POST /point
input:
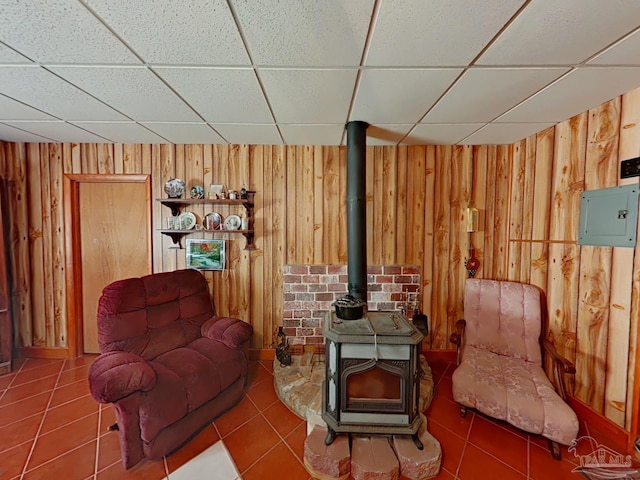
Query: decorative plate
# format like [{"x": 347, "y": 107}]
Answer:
[
  {"x": 197, "y": 191},
  {"x": 212, "y": 221},
  {"x": 174, "y": 188},
  {"x": 186, "y": 221},
  {"x": 232, "y": 222}
]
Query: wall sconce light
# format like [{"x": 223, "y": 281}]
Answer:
[{"x": 472, "y": 219}]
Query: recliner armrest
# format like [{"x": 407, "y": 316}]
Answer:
[
  {"x": 561, "y": 366},
  {"x": 233, "y": 332},
  {"x": 457, "y": 337},
  {"x": 115, "y": 375}
]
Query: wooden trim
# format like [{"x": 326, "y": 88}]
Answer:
[
  {"x": 612, "y": 430},
  {"x": 73, "y": 277},
  {"x": 262, "y": 354},
  {"x": 440, "y": 356},
  {"x": 565, "y": 242},
  {"x": 46, "y": 352}
]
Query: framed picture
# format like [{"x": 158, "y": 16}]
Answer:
[
  {"x": 216, "y": 191},
  {"x": 205, "y": 254}
]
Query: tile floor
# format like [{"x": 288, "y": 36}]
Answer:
[{"x": 50, "y": 428}]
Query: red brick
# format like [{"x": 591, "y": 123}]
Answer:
[
  {"x": 333, "y": 269},
  {"x": 392, "y": 270},
  {"x": 315, "y": 341},
  {"x": 337, "y": 287},
  {"x": 410, "y": 288},
  {"x": 384, "y": 279},
  {"x": 301, "y": 313},
  {"x": 290, "y": 332},
  {"x": 311, "y": 323},
  {"x": 343, "y": 279},
  {"x": 328, "y": 462},
  {"x": 305, "y": 332},
  {"x": 374, "y": 287},
  {"x": 374, "y": 269},
  {"x": 299, "y": 269},
  {"x": 410, "y": 270},
  {"x": 298, "y": 287},
  {"x": 289, "y": 297},
  {"x": 292, "y": 278},
  {"x": 305, "y": 296},
  {"x": 310, "y": 279},
  {"x": 318, "y": 269},
  {"x": 396, "y": 297},
  {"x": 372, "y": 458},
  {"x": 292, "y": 323},
  {"x": 325, "y": 297},
  {"x": 402, "y": 279},
  {"x": 317, "y": 288}
]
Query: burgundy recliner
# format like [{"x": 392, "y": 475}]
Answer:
[{"x": 168, "y": 364}]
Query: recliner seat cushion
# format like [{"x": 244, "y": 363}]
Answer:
[
  {"x": 187, "y": 378},
  {"x": 513, "y": 390}
]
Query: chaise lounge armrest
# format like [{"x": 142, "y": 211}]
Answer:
[
  {"x": 456, "y": 338},
  {"x": 232, "y": 332},
  {"x": 561, "y": 366},
  {"x": 115, "y": 375}
]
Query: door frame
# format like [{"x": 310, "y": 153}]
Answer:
[{"x": 73, "y": 274}]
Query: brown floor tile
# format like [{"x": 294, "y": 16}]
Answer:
[
  {"x": 57, "y": 442},
  {"x": 67, "y": 413},
  {"x": 86, "y": 359},
  {"x": 29, "y": 406},
  {"x": 447, "y": 413},
  {"x": 542, "y": 466},
  {"x": 19, "y": 432},
  {"x": 283, "y": 420},
  {"x": 32, "y": 374},
  {"x": 70, "y": 392},
  {"x": 250, "y": 442},
  {"x": 296, "y": 439},
  {"x": 452, "y": 445},
  {"x": 479, "y": 465},
  {"x": 237, "y": 416},
  {"x": 493, "y": 439},
  {"x": 443, "y": 389},
  {"x": 107, "y": 418},
  {"x": 145, "y": 470},
  {"x": 205, "y": 439},
  {"x": 279, "y": 460},
  {"x": 258, "y": 373},
  {"x": 76, "y": 464},
  {"x": 16, "y": 394},
  {"x": 108, "y": 450},
  {"x": 73, "y": 375},
  {"x": 5, "y": 380},
  {"x": 263, "y": 394},
  {"x": 268, "y": 364},
  {"x": 13, "y": 460},
  {"x": 30, "y": 363}
]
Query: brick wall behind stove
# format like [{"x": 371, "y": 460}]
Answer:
[{"x": 309, "y": 291}]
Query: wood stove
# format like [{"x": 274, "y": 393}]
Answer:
[{"x": 372, "y": 382}]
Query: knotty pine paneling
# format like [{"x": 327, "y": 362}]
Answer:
[{"x": 527, "y": 194}]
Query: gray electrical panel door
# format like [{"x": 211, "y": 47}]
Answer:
[{"x": 609, "y": 216}]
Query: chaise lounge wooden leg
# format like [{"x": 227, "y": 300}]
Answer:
[
  {"x": 463, "y": 411},
  {"x": 554, "y": 449}
]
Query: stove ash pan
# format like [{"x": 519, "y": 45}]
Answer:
[{"x": 372, "y": 383}]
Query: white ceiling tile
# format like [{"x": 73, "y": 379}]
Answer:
[
  {"x": 437, "y": 32},
  {"x": 12, "y": 110},
  {"x": 625, "y": 52},
  {"x": 312, "y": 134},
  {"x": 220, "y": 95},
  {"x": 295, "y": 33},
  {"x": 176, "y": 32},
  {"x": 50, "y": 94},
  {"x": 239, "y": 133},
  {"x": 399, "y": 96},
  {"x": 12, "y": 134},
  {"x": 482, "y": 94},
  {"x": 309, "y": 96},
  {"x": 60, "y": 31},
  {"x": 552, "y": 32},
  {"x": 7, "y": 55},
  {"x": 386, "y": 134},
  {"x": 185, "y": 133},
  {"x": 439, "y": 134},
  {"x": 134, "y": 91},
  {"x": 577, "y": 92},
  {"x": 59, "y": 131},
  {"x": 121, "y": 132},
  {"x": 504, "y": 133}
]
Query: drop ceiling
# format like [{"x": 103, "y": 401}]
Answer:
[{"x": 295, "y": 71}]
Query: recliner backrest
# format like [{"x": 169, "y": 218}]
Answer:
[
  {"x": 153, "y": 314},
  {"x": 503, "y": 317}
]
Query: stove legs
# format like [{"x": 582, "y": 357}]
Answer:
[{"x": 331, "y": 436}]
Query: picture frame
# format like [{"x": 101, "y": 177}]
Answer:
[
  {"x": 205, "y": 254},
  {"x": 216, "y": 190}
]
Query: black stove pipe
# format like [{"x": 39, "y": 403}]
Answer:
[{"x": 357, "y": 209}]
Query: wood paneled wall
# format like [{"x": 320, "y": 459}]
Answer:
[{"x": 527, "y": 193}]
